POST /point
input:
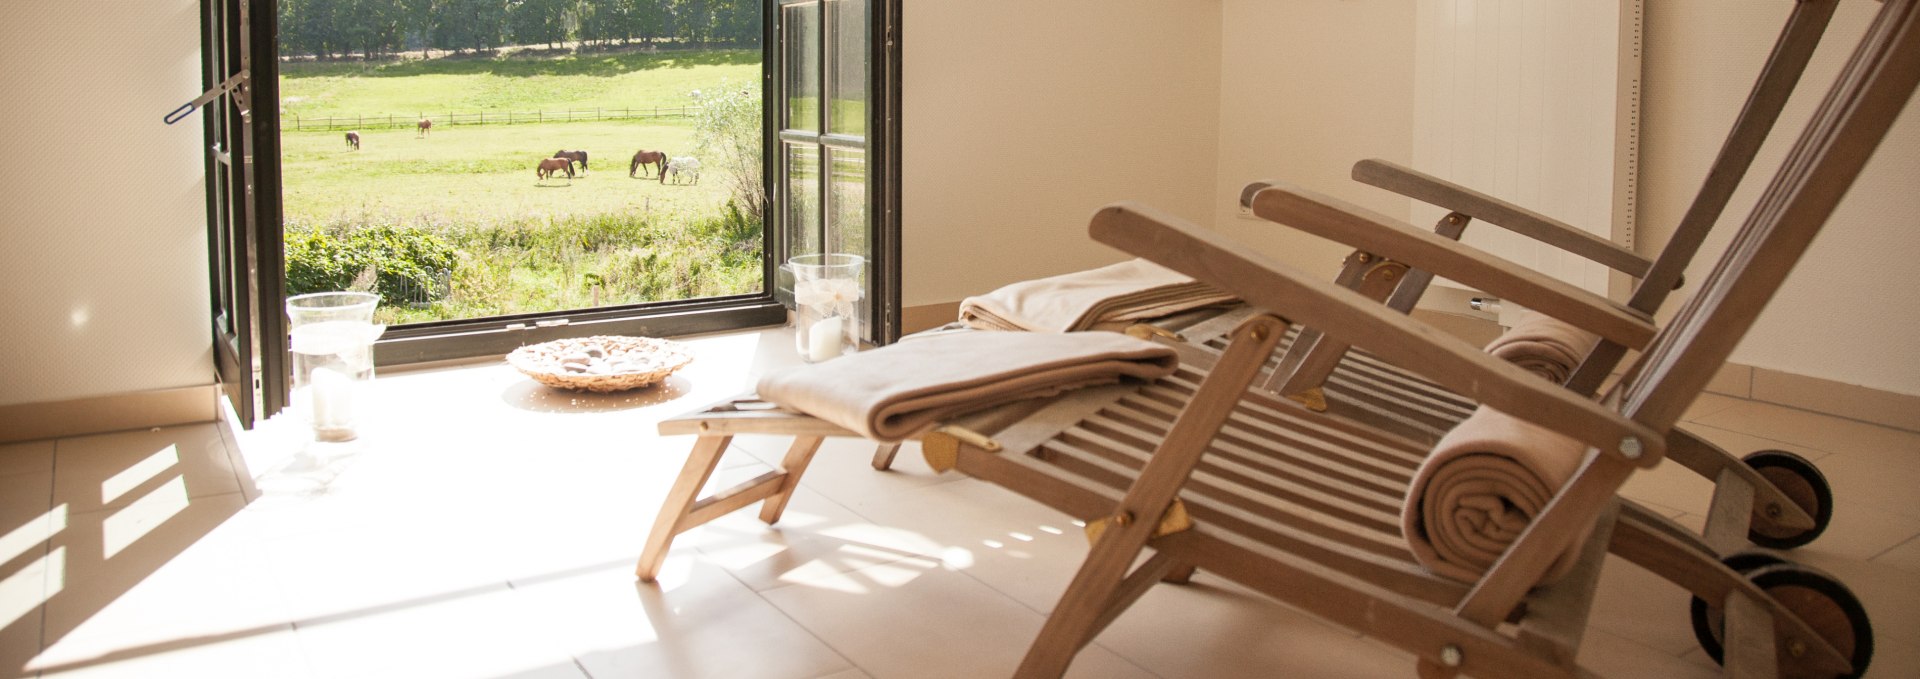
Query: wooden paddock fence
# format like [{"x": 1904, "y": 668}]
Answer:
[{"x": 297, "y": 123}]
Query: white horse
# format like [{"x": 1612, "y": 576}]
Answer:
[{"x": 682, "y": 164}]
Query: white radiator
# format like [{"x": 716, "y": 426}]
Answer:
[{"x": 1535, "y": 102}]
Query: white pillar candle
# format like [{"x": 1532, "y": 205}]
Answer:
[
  {"x": 332, "y": 398},
  {"x": 823, "y": 339}
]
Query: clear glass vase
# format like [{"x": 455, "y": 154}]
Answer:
[
  {"x": 827, "y": 293},
  {"x": 332, "y": 337}
]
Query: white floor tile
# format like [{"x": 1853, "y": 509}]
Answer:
[
  {"x": 479, "y": 633},
  {"x": 28, "y": 457},
  {"x": 110, "y": 471},
  {"x": 487, "y": 527},
  {"x": 911, "y": 620},
  {"x": 696, "y": 623}
]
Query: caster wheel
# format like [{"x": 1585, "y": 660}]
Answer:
[
  {"x": 1746, "y": 563},
  {"x": 1825, "y": 604},
  {"x": 1801, "y": 482}
]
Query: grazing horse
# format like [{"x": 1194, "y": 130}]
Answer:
[
  {"x": 681, "y": 165},
  {"x": 646, "y": 158},
  {"x": 575, "y": 156},
  {"x": 425, "y": 126},
  {"x": 353, "y": 140},
  {"x": 549, "y": 166}
]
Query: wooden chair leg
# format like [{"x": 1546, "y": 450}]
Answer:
[
  {"x": 679, "y": 503},
  {"x": 1180, "y": 574},
  {"x": 1096, "y": 593},
  {"x": 793, "y": 465},
  {"x": 1089, "y": 600},
  {"x": 1749, "y": 649},
  {"x": 883, "y": 456}
]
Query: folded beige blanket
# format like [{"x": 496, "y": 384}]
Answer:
[
  {"x": 1110, "y": 295},
  {"x": 1483, "y": 484},
  {"x": 901, "y": 390},
  {"x": 1548, "y": 346}
]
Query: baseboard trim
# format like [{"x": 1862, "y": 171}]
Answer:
[
  {"x": 113, "y": 412},
  {"x": 1828, "y": 397}
]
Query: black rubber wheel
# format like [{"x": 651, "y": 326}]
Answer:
[
  {"x": 1819, "y": 599},
  {"x": 1800, "y": 481},
  {"x": 1745, "y": 563}
]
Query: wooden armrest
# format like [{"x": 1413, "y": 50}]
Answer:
[
  {"x": 1353, "y": 225},
  {"x": 1433, "y": 190},
  {"x": 1350, "y": 316}
]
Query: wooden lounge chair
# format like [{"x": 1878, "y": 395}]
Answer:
[
  {"x": 1154, "y": 467},
  {"x": 1791, "y": 501},
  {"x": 1210, "y": 474}
]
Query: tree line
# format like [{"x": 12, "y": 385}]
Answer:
[{"x": 329, "y": 29}]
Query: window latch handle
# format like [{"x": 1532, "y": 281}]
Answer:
[{"x": 236, "y": 84}]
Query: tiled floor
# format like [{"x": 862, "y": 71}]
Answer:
[{"x": 486, "y": 527}]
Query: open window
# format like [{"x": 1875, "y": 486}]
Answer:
[
  {"x": 835, "y": 159},
  {"x": 825, "y": 110}
]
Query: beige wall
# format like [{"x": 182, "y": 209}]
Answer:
[
  {"x": 103, "y": 237},
  {"x": 1307, "y": 89},
  {"x": 1022, "y": 118},
  {"x": 1845, "y": 314}
]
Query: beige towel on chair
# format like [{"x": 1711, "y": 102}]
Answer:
[
  {"x": 1128, "y": 291},
  {"x": 1483, "y": 484},
  {"x": 899, "y": 391},
  {"x": 1548, "y": 346}
]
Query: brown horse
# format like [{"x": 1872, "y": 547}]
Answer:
[
  {"x": 646, "y": 158},
  {"x": 353, "y": 140},
  {"x": 549, "y": 166},
  {"x": 575, "y": 156},
  {"x": 425, "y": 126}
]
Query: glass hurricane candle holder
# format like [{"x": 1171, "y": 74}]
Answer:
[{"x": 826, "y": 293}]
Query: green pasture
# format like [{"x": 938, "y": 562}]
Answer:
[
  {"x": 519, "y": 244},
  {"x": 525, "y": 244},
  {"x": 627, "y": 80},
  {"x": 464, "y": 176}
]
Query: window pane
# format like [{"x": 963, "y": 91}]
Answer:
[
  {"x": 847, "y": 202},
  {"x": 803, "y": 199},
  {"x": 848, "y": 80},
  {"x": 802, "y": 40}
]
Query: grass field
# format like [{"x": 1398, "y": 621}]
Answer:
[
  {"x": 522, "y": 244},
  {"x": 433, "y": 86},
  {"x": 473, "y": 175}
]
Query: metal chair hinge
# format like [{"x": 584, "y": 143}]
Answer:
[
  {"x": 941, "y": 447},
  {"x": 1173, "y": 521},
  {"x": 1314, "y": 399}
]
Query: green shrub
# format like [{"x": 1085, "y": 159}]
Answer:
[{"x": 403, "y": 258}]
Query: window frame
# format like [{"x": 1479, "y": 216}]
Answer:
[{"x": 248, "y": 268}]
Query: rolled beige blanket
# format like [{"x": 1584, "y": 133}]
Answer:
[
  {"x": 1115, "y": 294},
  {"x": 898, "y": 391},
  {"x": 1547, "y": 346},
  {"x": 1480, "y": 488}
]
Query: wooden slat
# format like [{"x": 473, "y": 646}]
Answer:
[
  {"x": 1442, "y": 193},
  {"x": 1211, "y": 258},
  {"x": 751, "y": 422}
]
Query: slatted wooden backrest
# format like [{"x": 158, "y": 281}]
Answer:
[
  {"x": 1872, "y": 89},
  {"x": 1777, "y": 81}
]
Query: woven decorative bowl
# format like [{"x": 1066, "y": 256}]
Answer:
[{"x": 603, "y": 363}]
